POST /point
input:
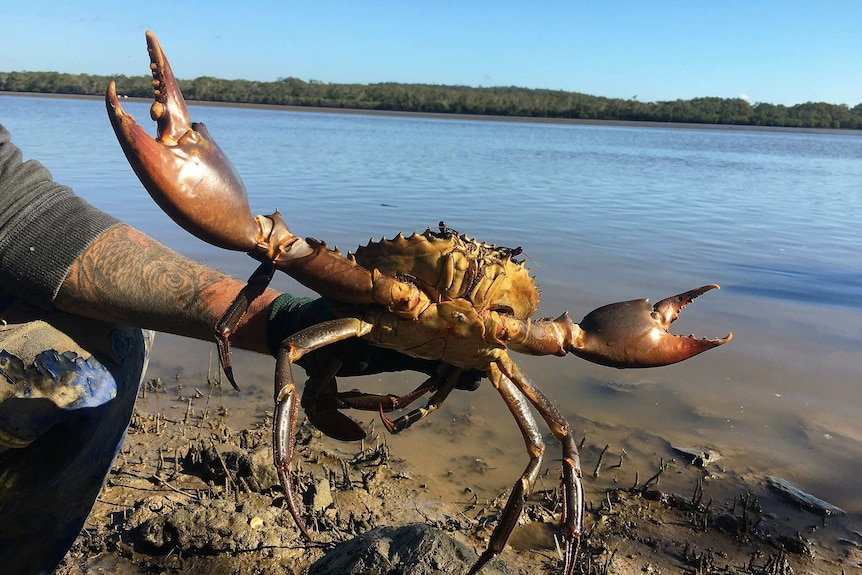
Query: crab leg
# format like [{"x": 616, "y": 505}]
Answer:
[
  {"x": 405, "y": 421},
  {"x": 322, "y": 406},
  {"x": 286, "y": 404},
  {"x": 373, "y": 401},
  {"x": 572, "y": 517},
  {"x": 254, "y": 287},
  {"x": 520, "y": 409}
]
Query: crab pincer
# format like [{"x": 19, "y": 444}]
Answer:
[
  {"x": 182, "y": 168},
  {"x": 634, "y": 333}
]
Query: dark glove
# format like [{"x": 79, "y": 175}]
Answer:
[{"x": 290, "y": 314}]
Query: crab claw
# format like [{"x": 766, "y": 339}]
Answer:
[
  {"x": 183, "y": 169},
  {"x": 635, "y": 334}
]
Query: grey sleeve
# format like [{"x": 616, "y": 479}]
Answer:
[{"x": 44, "y": 227}]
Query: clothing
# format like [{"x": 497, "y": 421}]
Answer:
[
  {"x": 43, "y": 227},
  {"x": 68, "y": 387}
]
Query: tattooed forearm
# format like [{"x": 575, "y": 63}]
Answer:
[{"x": 127, "y": 277}]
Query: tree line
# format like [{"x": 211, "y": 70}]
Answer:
[{"x": 497, "y": 101}]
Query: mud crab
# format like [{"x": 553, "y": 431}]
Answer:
[{"x": 436, "y": 295}]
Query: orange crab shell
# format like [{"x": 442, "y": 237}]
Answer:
[{"x": 448, "y": 266}]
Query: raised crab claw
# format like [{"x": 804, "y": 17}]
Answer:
[{"x": 436, "y": 295}]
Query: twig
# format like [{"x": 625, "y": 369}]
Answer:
[
  {"x": 178, "y": 490},
  {"x": 599, "y": 462},
  {"x": 652, "y": 480},
  {"x": 188, "y": 410},
  {"x": 228, "y": 480}
]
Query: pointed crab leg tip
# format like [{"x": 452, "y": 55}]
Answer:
[{"x": 228, "y": 371}]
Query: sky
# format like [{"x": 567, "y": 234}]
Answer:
[{"x": 787, "y": 52}]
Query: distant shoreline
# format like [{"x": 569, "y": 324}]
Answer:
[{"x": 475, "y": 117}]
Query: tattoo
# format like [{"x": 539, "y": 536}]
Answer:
[{"x": 127, "y": 277}]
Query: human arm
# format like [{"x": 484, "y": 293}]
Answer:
[
  {"x": 126, "y": 277},
  {"x": 56, "y": 250}
]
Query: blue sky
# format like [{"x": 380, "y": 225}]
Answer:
[{"x": 779, "y": 52}]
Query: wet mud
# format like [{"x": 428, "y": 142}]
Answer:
[{"x": 190, "y": 493}]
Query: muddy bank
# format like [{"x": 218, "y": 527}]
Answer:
[{"x": 189, "y": 494}]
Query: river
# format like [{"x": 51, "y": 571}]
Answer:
[{"x": 604, "y": 214}]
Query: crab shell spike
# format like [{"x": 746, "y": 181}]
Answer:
[
  {"x": 183, "y": 169},
  {"x": 635, "y": 334}
]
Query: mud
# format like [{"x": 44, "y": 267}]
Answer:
[{"x": 189, "y": 494}]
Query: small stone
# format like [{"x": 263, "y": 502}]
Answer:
[{"x": 697, "y": 456}]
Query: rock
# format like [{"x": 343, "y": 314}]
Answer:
[
  {"x": 413, "y": 549},
  {"x": 698, "y": 457},
  {"x": 801, "y": 499}
]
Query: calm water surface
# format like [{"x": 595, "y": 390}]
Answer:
[{"x": 604, "y": 214}]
